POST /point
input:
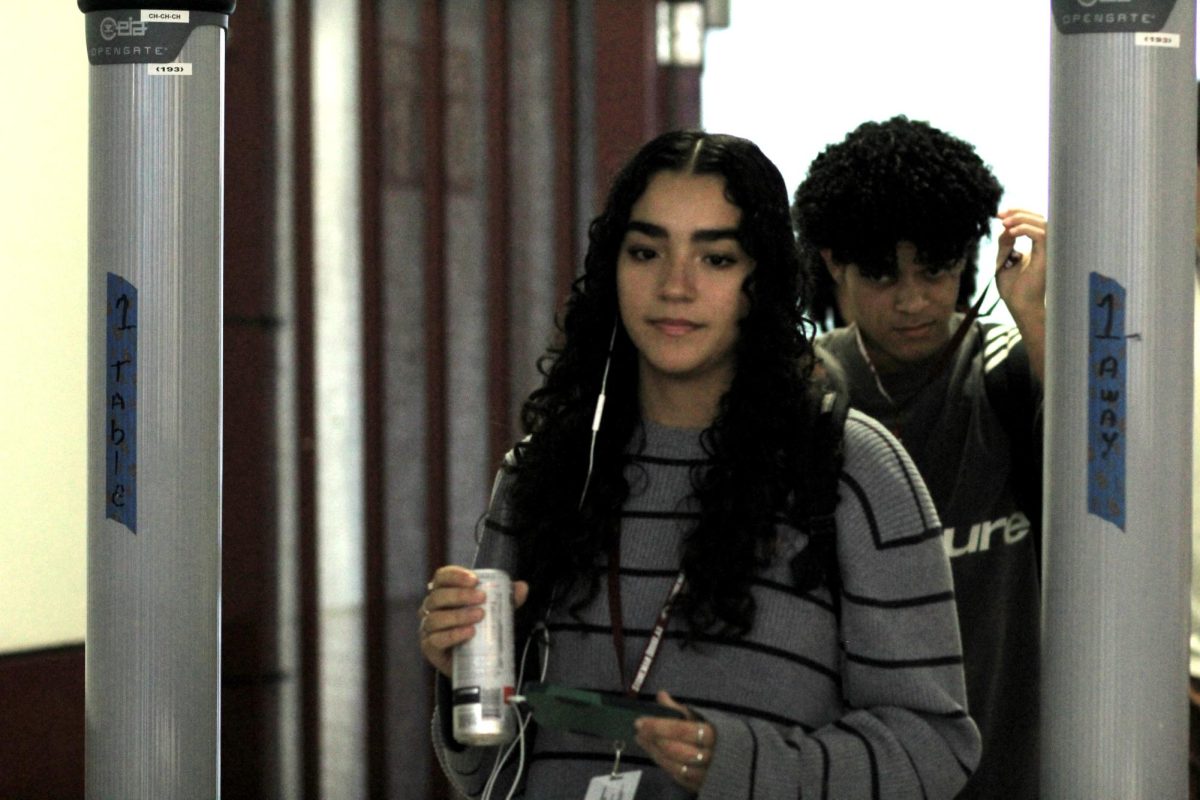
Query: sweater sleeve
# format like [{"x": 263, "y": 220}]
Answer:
[
  {"x": 470, "y": 767},
  {"x": 904, "y": 731}
]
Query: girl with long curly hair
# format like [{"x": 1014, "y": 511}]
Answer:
[{"x": 666, "y": 545}]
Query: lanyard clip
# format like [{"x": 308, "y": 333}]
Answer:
[{"x": 618, "y": 747}]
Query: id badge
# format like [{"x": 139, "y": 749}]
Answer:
[{"x": 614, "y": 786}]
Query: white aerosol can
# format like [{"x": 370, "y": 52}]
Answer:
[{"x": 483, "y": 676}]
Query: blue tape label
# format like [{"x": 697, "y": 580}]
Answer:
[
  {"x": 1106, "y": 399},
  {"x": 120, "y": 431}
]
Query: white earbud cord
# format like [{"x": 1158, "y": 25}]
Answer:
[
  {"x": 522, "y": 721},
  {"x": 599, "y": 413}
]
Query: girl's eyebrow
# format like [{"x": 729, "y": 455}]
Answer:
[
  {"x": 716, "y": 235},
  {"x": 647, "y": 228},
  {"x": 702, "y": 235}
]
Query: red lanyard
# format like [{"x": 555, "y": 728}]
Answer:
[{"x": 618, "y": 629}]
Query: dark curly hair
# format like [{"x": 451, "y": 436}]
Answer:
[
  {"x": 886, "y": 182},
  {"x": 757, "y": 443}
]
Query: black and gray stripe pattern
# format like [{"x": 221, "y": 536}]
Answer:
[{"x": 870, "y": 704}]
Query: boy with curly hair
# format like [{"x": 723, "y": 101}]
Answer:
[{"x": 890, "y": 221}]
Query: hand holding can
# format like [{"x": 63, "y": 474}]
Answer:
[
  {"x": 448, "y": 614},
  {"x": 458, "y": 610}
]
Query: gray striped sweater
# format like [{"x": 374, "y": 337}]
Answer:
[{"x": 875, "y": 708}]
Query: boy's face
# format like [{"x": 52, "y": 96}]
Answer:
[{"x": 904, "y": 318}]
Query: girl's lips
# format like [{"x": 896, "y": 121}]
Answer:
[{"x": 674, "y": 327}]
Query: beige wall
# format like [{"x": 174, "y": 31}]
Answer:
[{"x": 43, "y": 271}]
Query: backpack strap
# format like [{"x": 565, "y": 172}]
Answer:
[{"x": 1010, "y": 393}]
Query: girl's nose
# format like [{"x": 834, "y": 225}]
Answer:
[{"x": 676, "y": 279}]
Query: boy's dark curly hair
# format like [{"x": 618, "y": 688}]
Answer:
[
  {"x": 886, "y": 182},
  {"x": 757, "y": 443}
]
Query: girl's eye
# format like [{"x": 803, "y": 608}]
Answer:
[
  {"x": 720, "y": 260},
  {"x": 883, "y": 279},
  {"x": 640, "y": 253}
]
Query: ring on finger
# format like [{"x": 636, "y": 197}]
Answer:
[
  {"x": 700, "y": 736},
  {"x": 683, "y": 771},
  {"x": 699, "y": 757}
]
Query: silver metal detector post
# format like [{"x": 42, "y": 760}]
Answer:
[
  {"x": 155, "y": 183},
  {"x": 1118, "y": 399}
]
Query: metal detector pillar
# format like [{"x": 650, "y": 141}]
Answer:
[
  {"x": 153, "y": 655},
  {"x": 1119, "y": 399}
]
